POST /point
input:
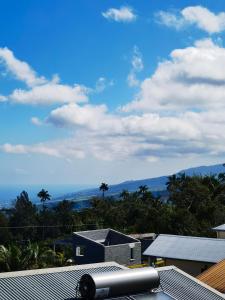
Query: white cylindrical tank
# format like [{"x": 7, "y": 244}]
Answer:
[{"x": 118, "y": 283}]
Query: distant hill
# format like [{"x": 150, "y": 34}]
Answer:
[{"x": 157, "y": 185}]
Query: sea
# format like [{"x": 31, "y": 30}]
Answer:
[{"x": 8, "y": 193}]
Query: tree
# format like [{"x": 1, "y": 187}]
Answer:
[
  {"x": 23, "y": 217},
  {"x": 124, "y": 194},
  {"x": 44, "y": 196},
  {"x": 64, "y": 216},
  {"x": 142, "y": 189},
  {"x": 5, "y": 235},
  {"x": 103, "y": 187}
]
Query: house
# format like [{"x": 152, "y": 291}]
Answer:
[
  {"x": 220, "y": 231},
  {"x": 215, "y": 276},
  {"x": 105, "y": 245},
  {"x": 191, "y": 254},
  {"x": 145, "y": 238},
  {"x": 60, "y": 284}
]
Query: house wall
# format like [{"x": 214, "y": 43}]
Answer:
[
  {"x": 93, "y": 252},
  {"x": 122, "y": 254},
  {"x": 193, "y": 268},
  {"x": 220, "y": 234}
]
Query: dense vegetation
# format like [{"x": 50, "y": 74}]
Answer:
[{"x": 194, "y": 205}]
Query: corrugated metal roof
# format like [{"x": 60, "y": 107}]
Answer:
[
  {"x": 187, "y": 248},
  {"x": 53, "y": 284},
  {"x": 60, "y": 283},
  {"x": 219, "y": 228},
  {"x": 215, "y": 276},
  {"x": 182, "y": 286}
]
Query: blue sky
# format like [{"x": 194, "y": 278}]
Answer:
[{"x": 109, "y": 90}]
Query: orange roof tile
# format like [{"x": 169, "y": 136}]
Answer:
[{"x": 215, "y": 276}]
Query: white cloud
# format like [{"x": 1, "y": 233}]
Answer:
[
  {"x": 132, "y": 79},
  {"x": 137, "y": 66},
  {"x": 170, "y": 19},
  {"x": 193, "y": 78},
  {"x": 50, "y": 93},
  {"x": 20, "y": 69},
  {"x": 123, "y": 14},
  {"x": 40, "y": 90},
  {"x": 102, "y": 83},
  {"x": 36, "y": 121},
  {"x": 137, "y": 61},
  {"x": 3, "y": 98},
  {"x": 199, "y": 16},
  {"x": 178, "y": 112},
  {"x": 55, "y": 149}
]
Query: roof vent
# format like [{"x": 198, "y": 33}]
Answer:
[{"x": 119, "y": 283}]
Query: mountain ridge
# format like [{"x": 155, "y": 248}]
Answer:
[{"x": 155, "y": 184}]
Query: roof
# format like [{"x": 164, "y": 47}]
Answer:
[
  {"x": 182, "y": 286},
  {"x": 215, "y": 276},
  {"x": 187, "y": 248},
  {"x": 47, "y": 284},
  {"x": 219, "y": 228},
  {"x": 60, "y": 283},
  {"x": 106, "y": 237},
  {"x": 142, "y": 235}
]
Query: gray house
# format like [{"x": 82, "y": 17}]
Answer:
[
  {"x": 220, "y": 231},
  {"x": 191, "y": 254},
  {"x": 105, "y": 245}
]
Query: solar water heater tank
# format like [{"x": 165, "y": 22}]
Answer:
[{"x": 118, "y": 283}]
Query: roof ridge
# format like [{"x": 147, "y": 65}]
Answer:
[{"x": 191, "y": 237}]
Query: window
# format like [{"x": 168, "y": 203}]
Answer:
[
  {"x": 132, "y": 253},
  {"x": 80, "y": 250}
]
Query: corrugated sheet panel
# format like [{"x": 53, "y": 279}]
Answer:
[
  {"x": 219, "y": 228},
  {"x": 215, "y": 276},
  {"x": 187, "y": 248},
  {"x": 52, "y": 286},
  {"x": 181, "y": 287}
]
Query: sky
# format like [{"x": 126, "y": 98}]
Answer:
[{"x": 94, "y": 91}]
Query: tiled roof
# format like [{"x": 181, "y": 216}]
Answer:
[
  {"x": 219, "y": 228},
  {"x": 215, "y": 276},
  {"x": 187, "y": 248}
]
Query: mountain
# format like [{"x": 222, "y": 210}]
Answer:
[{"x": 157, "y": 185}]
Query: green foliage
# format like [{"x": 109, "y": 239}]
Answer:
[
  {"x": 194, "y": 205},
  {"x": 30, "y": 256}
]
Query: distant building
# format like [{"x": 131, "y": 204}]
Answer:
[
  {"x": 191, "y": 254},
  {"x": 215, "y": 276},
  {"x": 60, "y": 284},
  {"x": 105, "y": 245},
  {"x": 220, "y": 231},
  {"x": 145, "y": 238}
]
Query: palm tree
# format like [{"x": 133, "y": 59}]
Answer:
[
  {"x": 103, "y": 187},
  {"x": 44, "y": 196},
  {"x": 124, "y": 194},
  {"x": 142, "y": 189}
]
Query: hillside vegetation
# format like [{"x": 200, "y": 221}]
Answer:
[{"x": 195, "y": 205}]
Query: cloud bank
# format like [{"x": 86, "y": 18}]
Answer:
[{"x": 178, "y": 111}]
